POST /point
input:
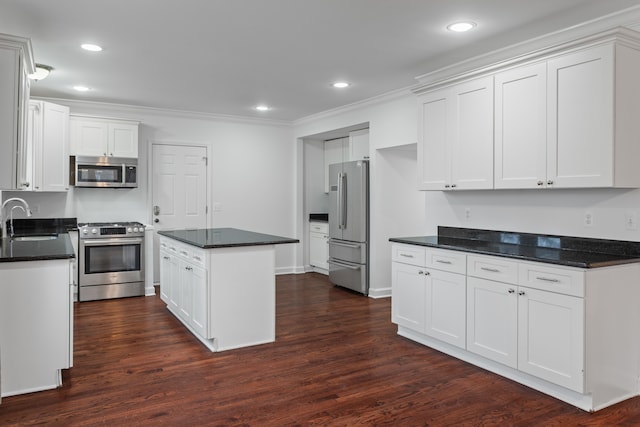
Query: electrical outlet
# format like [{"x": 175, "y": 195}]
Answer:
[
  {"x": 588, "y": 219},
  {"x": 631, "y": 221},
  {"x": 467, "y": 214}
]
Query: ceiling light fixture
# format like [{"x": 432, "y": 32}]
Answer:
[
  {"x": 91, "y": 47},
  {"x": 82, "y": 88},
  {"x": 263, "y": 108},
  {"x": 340, "y": 85},
  {"x": 461, "y": 27},
  {"x": 42, "y": 71}
]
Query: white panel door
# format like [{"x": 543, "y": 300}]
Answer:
[
  {"x": 551, "y": 337},
  {"x": 179, "y": 186},
  {"x": 472, "y": 144},
  {"x": 521, "y": 127},
  {"x": 179, "y": 189},
  {"x": 492, "y": 320},
  {"x": 580, "y": 118},
  {"x": 446, "y": 306}
]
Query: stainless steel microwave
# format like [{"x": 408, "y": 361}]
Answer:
[{"x": 103, "y": 172}]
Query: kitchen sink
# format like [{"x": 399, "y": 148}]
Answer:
[{"x": 35, "y": 238}]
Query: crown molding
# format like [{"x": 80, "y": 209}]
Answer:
[
  {"x": 22, "y": 43},
  {"x": 164, "y": 112},
  {"x": 587, "y": 32},
  {"x": 379, "y": 99}
]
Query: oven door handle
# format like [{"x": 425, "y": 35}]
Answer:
[{"x": 111, "y": 242}]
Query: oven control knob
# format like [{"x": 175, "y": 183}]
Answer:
[
  {"x": 136, "y": 229},
  {"x": 85, "y": 230},
  {"x": 94, "y": 230},
  {"x": 129, "y": 230}
]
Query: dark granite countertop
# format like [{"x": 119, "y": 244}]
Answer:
[
  {"x": 41, "y": 250},
  {"x": 211, "y": 238},
  {"x": 561, "y": 250}
]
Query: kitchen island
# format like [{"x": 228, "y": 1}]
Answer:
[
  {"x": 36, "y": 312},
  {"x": 220, "y": 283}
]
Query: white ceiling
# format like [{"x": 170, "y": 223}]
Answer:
[{"x": 226, "y": 56}]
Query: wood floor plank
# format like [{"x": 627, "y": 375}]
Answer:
[{"x": 337, "y": 361}]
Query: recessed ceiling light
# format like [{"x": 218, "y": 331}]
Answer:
[
  {"x": 340, "y": 85},
  {"x": 91, "y": 47},
  {"x": 82, "y": 88},
  {"x": 262, "y": 108},
  {"x": 461, "y": 27}
]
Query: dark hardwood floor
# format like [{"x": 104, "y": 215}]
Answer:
[{"x": 336, "y": 361}]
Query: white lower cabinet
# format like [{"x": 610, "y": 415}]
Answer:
[
  {"x": 426, "y": 299},
  {"x": 183, "y": 284},
  {"x": 319, "y": 246},
  {"x": 568, "y": 332}
]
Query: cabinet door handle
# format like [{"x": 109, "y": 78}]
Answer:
[
  {"x": 521, "y": 293},
  {"x": 492, "y": 270},
  {"x": 540, "y": 183},
  {"x": 511, "y": 290},
  {"x": 442, "y": 261},
  {"x": 550, "y": 182},
  {"x": 547, "y": 279},
  {"x": 454, "y": 185}
]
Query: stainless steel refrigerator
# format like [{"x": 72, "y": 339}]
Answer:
[{"x": 349, "y": 225}]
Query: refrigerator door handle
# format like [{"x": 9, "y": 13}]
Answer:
[
  {"x": 346, "y": 245},
  {"x": 343, "y": 201},
  {"x": 339, "y": 201},
  {"x": 342, "y": 264}
]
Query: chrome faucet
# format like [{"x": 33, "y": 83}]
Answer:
[{"x": 25, "y": 208}]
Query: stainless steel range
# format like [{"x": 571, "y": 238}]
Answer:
[{"x": 111, "y": 261}]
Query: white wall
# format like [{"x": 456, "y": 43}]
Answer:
[{"x": 251, "y": 164}]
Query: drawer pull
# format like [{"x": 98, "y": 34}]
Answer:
[
  {"x": 492, "y": 270},
  {"x": 406, "y": 255},
  {"x": 546, "y": 279},
  {"x": 184, "y": 253},
  {"x": 442, "y": 261}
]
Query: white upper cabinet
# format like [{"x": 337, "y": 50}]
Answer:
[
  {"x": 93, "y": 136},
  {"x": 456, "y": 137},
  {"x": 590, "y": 135},
  {"x": 564, "y": 117},
  {"x": 353, "y": 147},
  {"x": 16, "y": 62},
  {"x": 47, "y": 148},
  {"x": 359, "y": 145},
  {"x": 520, "y": 127}
]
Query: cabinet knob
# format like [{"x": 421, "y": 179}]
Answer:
[
  {"x": 550, "y": 182},
  {"x": 540, "y": 183},
  {"x": 511, "y": 290},
  {"x": 447, "y": 186},
  {"x": 521, "y": 293},
  {"x": 454, "y": 185},
  {"x": 420, "y": 272},
  {"x": 26, "y": 184}
]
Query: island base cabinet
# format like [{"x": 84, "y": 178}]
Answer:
[
  {"x": 35, "y": 316},
  {"x": 242, "y": 297},
  {"x": 224, "y": 296}
]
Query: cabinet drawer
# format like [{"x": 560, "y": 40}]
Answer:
[
  {"x": 197, "y": 257},
  {"x": 408, "y": 254},
  {"x": 454, "y": 262},
  {"x": 492, "y": 268},
  {"x": 319, "y": 227},
  {"x": 555, "y": 279}
]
